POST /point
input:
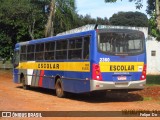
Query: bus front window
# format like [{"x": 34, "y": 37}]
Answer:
[
  {"x": 16, "y": 58},
  {"x": 121, "y": 42}
]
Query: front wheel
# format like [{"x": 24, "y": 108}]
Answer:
[
  {"x": 59, "y": 88},
  {"x": 25, "y": 87}
]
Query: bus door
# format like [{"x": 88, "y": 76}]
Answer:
[{"x": 16, "y": 60}]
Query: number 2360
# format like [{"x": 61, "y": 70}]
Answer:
[{"x": 104, "y": 60}]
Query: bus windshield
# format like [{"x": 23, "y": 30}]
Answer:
[{"x": 121, "y": 43}]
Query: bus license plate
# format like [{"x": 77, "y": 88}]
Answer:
[
  {"x": 122, "y": 78},
  {"x": 121, "y": 83}
]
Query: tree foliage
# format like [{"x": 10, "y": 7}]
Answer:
[
  {"x": 135, "y": 19},
  {"x": 61, "y": 15},
  {"x": 138, "y": 3},
  {"x": 151, "y": 7},
  {"x": 151, "y": 10},
  {"x": 23, "y": 20},
  {"x": 87, "y": 19},
  {"x": 154, "y": 11},
  {"x": 20, "y": 20}
]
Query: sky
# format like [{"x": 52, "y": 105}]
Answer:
[{"x": 98, "y": 8}]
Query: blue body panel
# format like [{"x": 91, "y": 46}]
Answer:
[
  {"x": 15, "y": 75},
  {"x": 72, "y": 81},
  {"x": 131, "y": 76}
]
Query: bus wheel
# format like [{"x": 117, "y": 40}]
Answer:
[
  {"x": 59, "y": 89},
  {"x": 25, "y": 87}
]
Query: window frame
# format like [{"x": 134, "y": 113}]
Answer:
[
  {"x": 49, "y": 51},
  {"x": 23, "y": 53},
  {"x": 75, "y": 49},
  {"x": 41, "y": 52},
  {"x": 120, "y": 31},
  {"x": 31, "y": 52},
  {"x": 55, "y": 51}
]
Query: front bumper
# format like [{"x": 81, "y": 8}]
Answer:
[{"x": 103, "y": 85}]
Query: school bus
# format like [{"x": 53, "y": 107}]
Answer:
[{"x": 92, "y": 60}]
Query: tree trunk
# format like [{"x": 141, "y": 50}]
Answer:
[
  {"x": 49, "y": 25},
  {"x": 31, "y": 29}
]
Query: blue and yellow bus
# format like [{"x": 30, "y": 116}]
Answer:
[{"x": 93, "y": 60}]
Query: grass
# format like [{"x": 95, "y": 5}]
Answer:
[
  {"x": 147, "y": 98},
  {"x": 5, "y": 65},
  {"x": 153, "y": 80}
]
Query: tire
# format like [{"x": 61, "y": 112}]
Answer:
[
  {"x": 59, "y": 88},
  {"x": 25, "y": 87}
]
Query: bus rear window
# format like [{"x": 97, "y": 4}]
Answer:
[{"x": 121, "y": 43}]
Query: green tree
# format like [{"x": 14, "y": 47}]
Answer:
[
  {"x": 102, "y": 21},
  {"x": 153, "y": 9},
  {"x": 138, "y": 3},
  {"x": 153, "y": 21},
  {"x": 63, "y": 13},
  {"x": 12, "y": 15},
  {"x": 87, "y": 19},
  {"x": 5, "y": 46},
  {"x": 22, "y": 20},
  {"x": 129, "y": 19}
]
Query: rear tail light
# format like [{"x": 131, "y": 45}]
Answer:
[
  {"x": 143, "y": 76},
  {"x": 96, "y": 73}
]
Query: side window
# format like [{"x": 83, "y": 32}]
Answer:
[
  {"x": 23, "y": 55},
  {"x": 30, "y": 52},
  {"x": 61, "y": 45},
  {"x": 49, "y": 51},
  {"x": 61, "y": 49},
  {"x": 39, "y": 52},
  {"x": 86, "y": 47},
  {"x": 75, "y": 49}
]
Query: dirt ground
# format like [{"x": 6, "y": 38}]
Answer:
[{"x": 14, "y": 98}]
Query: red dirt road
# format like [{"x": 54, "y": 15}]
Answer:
[{"x": 14, "y": 98}]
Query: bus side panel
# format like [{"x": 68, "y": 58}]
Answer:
[
  {"x": 74, "y": 82},
  {"x": 76, "y": 86},
  {"x": 35, "y": 78},
  {"x": 26, "y": 74},
  {"x": 16, "y": 76},
  {"x": 93, "y": 50},
  {"x": 49, "y": 78}
]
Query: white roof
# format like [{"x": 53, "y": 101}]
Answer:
[{"x": 92, "y": 27}]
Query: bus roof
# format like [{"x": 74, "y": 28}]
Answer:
[
  {"x": 82, "y": 31},
  {"x": 52, "y": 38},
  {"x": 96, "y": 26}
]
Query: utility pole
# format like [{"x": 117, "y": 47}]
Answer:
[{"x": 49, "y": 26}]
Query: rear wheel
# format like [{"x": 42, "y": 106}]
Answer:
[
  {"x": 59, "y": 88},
  {"x": 25, "y": 87}
]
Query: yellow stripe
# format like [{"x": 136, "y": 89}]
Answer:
[
  {"x": 56, "y": 66},
  {"x": 121, "y": 66}
]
